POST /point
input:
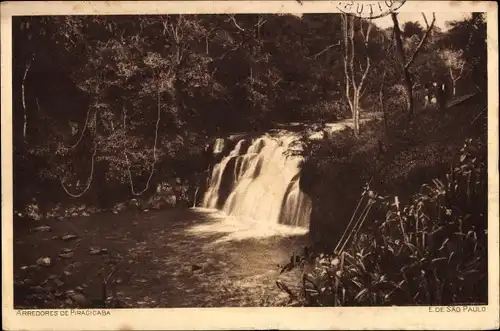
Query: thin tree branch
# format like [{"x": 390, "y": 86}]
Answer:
[
  {"x": 381, "y": 100},
  {"x": 154, "y": 150},
  {"x": 351, "y": 60},
  {"x": 260, "y": 22},
  {"x": 326, "y": 49},
  {"x": 23, "y": 93},
  {"x": 368, "y": 60},
  {"x": 83, "y": 129},
  {"x": 397, "y": 36},
  {"x": 89, "y": 180},
  {"x": 346, "y": 56},
  {"x": 461, "y": 71},
  {"x": 425, "y": 20},
  {"x": 422, "y": 41},
  {"x": 233, "y": 19}
]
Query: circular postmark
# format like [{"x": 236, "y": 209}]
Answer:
[{"x": 369, "y": 9}]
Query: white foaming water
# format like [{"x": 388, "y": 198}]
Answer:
[
  {"x": 234, "y": 229},
  {"x": 259, "y": 187},
  {"x": 218, "y": 146}
]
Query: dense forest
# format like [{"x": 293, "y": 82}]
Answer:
[
  {"x": 132, "y": 95},
  {"x": 112, "y": 108}
]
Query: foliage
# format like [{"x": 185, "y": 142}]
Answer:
[
  {"x": 411, "y": 29},
  {"x": 117, "y": 104},
  {"x": 147, "y": 92},
  {"x": 431, "y": 251},
  {"x": 396, "y": 159}
]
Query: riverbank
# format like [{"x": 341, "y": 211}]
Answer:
[
  {"x": 395, "y": 157},
  {"x": 399, "y": 207}
]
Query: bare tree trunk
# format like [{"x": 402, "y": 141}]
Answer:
[
  {"x": 454, "y": 79},
  {"x": 356, "y": 114},
  {"x": 406, "y": 65},
  {"x": 406, "y": 74},
  {"x": 381, "y": 100},
  {"x": 352, "y": 83},
  {"x": 409, "y": 92}
]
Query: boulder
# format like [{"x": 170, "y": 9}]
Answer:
[{"x": 44, "y": 262}]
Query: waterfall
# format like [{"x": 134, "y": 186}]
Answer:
[{"x": 257, "y": 181}]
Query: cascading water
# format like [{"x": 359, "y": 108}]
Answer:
[{"x": 257, "y": 181}]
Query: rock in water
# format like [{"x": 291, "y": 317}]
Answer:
[
  {"x": 69, "y": 237},
  {"x": 44, "y": 262},
  {"x": 58, "y": 282},
  {"x": 80, "y": 299},
  {"x": 97, "y": 250},
  {"x": 42, "y": 228},
  {"x": 67, "y": 255}
]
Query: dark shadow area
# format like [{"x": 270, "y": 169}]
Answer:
[{"x": 226, "y": 183}]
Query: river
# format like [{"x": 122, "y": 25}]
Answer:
[{"x": 253, "y": 216}]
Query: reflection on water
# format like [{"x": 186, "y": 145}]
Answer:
[
  {"x": 211, "y": 260},
  {"x": 195, "y": 258},
  {"x": 171, "y": 258}
]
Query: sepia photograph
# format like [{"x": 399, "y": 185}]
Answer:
[{"x": 251, "y": 159}]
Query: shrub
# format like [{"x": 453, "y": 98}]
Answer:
[
  {"x": 431, "y": 251},
  {"x": 396, "y": 161},
  {"x": 327, "y": 111}
]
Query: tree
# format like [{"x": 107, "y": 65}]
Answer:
[
  {"x": 455, "y": 62},
  {"x": 406, "y": 62},
  {"x": 354, "y": 81},
  {"x": 467, "y": 40},
  {"x": 411, "y": 29}
]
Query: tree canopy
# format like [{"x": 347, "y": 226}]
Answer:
[{"x": 128, "y": 95}]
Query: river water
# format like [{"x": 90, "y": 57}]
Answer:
[
  {"x": 204, "y": 258},
  {"x": 165, "y": 259},
  {"x": 223, "y": 262}
]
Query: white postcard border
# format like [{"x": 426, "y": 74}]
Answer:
[{"x": 246, "y": 318}]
